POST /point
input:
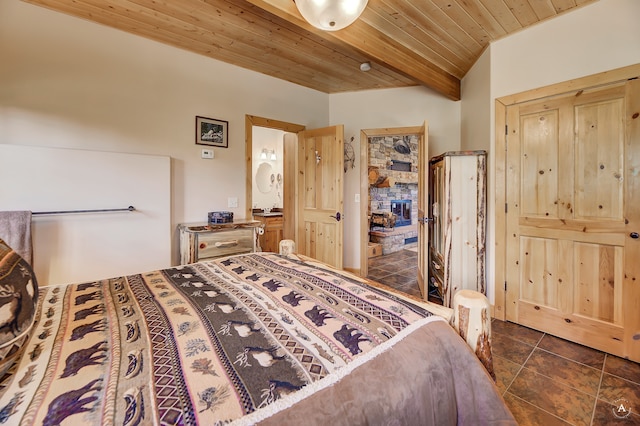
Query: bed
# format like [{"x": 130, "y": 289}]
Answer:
[{"x": 257, "y": 338}]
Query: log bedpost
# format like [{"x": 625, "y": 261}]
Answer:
[{"x": 472, "y": 320}]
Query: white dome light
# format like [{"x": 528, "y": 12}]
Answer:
[
  {"x": 331, "y": 15},
  {"x": 365, "y": 66}
]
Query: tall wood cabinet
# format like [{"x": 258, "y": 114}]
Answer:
[{"x": 457, "y": 197}]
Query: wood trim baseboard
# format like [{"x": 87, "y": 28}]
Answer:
[{"x": 355, "y": 271}]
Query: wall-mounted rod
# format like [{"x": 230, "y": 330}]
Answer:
[{"x": 128, "y": 209}]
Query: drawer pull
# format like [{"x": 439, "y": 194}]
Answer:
[{"x": 222, "y": 244}]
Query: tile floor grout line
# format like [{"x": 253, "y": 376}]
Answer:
[
  {"x": 595, "y": 403},
  {"x": 519, "y": 371},
  {"x": 506, "y": 389},
  {"x": 559, "y": 382},
  {"x": 569, "y": 359},
  {"x": 541, "y": 409},
  {"x": 521, "y": 365},
  {"x": 621, "y": 377}
]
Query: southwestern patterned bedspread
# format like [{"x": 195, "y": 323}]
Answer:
[{"x": 234, "y": 340}]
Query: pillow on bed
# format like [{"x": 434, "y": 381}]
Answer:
[{"x": 18, "y": 300}]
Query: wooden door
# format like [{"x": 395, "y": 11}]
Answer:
[
  {"x": 424, "y": 215},
  {"x": 573, "y": 213},
  {"x": 320, "y": 194}
]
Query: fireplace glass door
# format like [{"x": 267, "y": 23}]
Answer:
[{"x": 402, "y": 210}]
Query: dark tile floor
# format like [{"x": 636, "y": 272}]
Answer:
[
  {"x": 543, "y": 379},
  {"x": 398, "y": 270},
  {"x": 550, "y": 381}
]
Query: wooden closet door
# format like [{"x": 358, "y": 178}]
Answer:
[{"x": 573, "y": 191}]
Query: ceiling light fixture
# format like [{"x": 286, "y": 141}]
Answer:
[
  {"x": 365, "y": 66},
  {"x": 330, "y": 15}
]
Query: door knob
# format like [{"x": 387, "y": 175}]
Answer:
[
  {"x": 336, "y": 217},
  {"x": 634, "y": 235}
]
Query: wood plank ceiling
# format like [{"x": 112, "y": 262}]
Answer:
[{"x": 408, "y": 42}]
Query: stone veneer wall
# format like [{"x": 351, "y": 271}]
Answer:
[
  {"x": 394, "y": 241},
  {"x": 380, "y": 198},
  {"x": 381, "y": 155}
]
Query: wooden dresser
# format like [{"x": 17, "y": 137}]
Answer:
[
  {"x": 273, "y": 224},
  {"x": 199, "y": 241}
]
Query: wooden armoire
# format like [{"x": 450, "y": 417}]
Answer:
[{"x": 458, "y": 202}]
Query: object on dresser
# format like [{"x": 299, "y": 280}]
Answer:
[{"x": 220, "y": 217}]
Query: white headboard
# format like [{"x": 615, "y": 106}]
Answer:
[{"x": 90, "y": 246}]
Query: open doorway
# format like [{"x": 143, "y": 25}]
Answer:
[
  {"x": 390, "y": 217},
  {"x": 312, "y": 160},
  {"x": 270, "y": 179}
]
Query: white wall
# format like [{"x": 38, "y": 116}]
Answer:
[
  {"x": 69, "y": 83},
  {"x": 599, "y": 37},
  {"x": 476, "y": 135},
  {"x": 376, "y": 109},
  {"x": 87, "y": 246},
  {"x": 475, "y": 114}
]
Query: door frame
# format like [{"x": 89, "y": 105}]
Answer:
[
  {"x": 502, "y": 173},
  {"x": 289, "y": 184},
  {"x": 365, "y": 134}
]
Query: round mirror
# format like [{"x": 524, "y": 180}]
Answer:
[{"x": 263, "y": 178}]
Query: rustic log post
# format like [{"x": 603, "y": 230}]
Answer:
[{"x": 472, "y": 320}]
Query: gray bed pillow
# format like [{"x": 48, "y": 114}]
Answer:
[{"x": 18, "y": 303}]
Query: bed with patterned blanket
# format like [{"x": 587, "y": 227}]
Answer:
[{"x": 257, "y": 338}]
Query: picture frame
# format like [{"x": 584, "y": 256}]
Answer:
[{"x": 212, "y": 132}]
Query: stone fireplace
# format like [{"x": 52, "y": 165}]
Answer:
[{"x": 395, "y": 157}]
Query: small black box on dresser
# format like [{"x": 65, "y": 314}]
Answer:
[{"x": 220, "y": 217}]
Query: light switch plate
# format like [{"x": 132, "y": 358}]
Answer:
[
  {"x": 232, "y": 202},
  {"x": 207, "y": 153},
  {"x": 357, "y": 198}
]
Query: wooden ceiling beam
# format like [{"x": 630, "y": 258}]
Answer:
[{"x": 375, "y": 45}]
